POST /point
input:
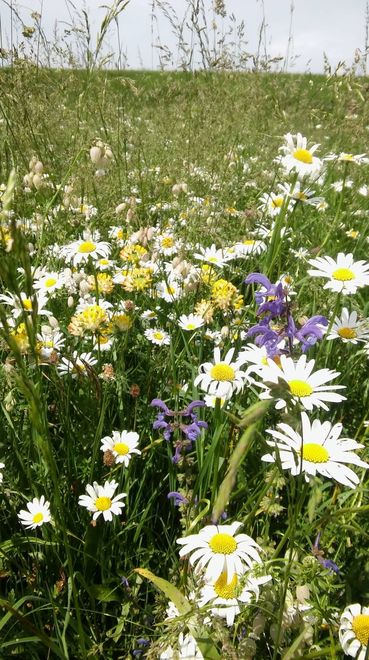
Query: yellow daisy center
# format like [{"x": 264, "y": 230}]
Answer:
[
  {"x": 223, "y": 544},
  {"x": 360, "y": 626},
  {"x": 27, "y": 304},
  {"x": 213, "y": 260},
  {"x": 158, "y": 335},
  {"x": 347, "y": 333},
  {"x": 86, "y": 247},
  {"x": 190, "y": 326},
  {"x": 224, "y": 589},
  {"x": 315, "y": 453},
  {"x": 222, "y": 371},
  {"x": 248, "y": 242},
  {"x": 277, "y": 202},
  {"x": 121, "y": 448},
  {"x": 38, "y": 517},
  {"x": 300, "y": 388},
  {"x": 50, "y": 282},
  {"x": 303, "y": 155},
  {"x": 343, "y": 274},
  {"x": 167, "y": 242},
  {"x": 103, "y": 503}
]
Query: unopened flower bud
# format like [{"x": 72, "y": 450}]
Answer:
[{"x": 70, "y": 301}]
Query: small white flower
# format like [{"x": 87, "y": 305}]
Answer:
[
  {"x": 211, "y": 256},
  {"x": 299, "y": 158},
  {"x": 100, "y": 500},
  {"x": 38, "y": 513},
  {"x": 317, "y": 450},
  {"x": 78, "y": 366},
  {"x": 89, "y": 246},
  {"x": 122, "y": 444}
]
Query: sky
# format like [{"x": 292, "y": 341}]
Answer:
[{"x": 333, "y": 27}]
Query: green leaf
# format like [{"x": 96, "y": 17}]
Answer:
[{"x": 103, "y": 593}]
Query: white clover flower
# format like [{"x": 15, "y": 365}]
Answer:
[
  {"x": 100, "y": 500},
  {"x": 218, "y": 549},
  {"x": 344, "y": 274},
  {"x": 122, "y": 444},
  {"x": 354, "y": 631},
  {"x": 318, "y": 450},
  {"x": 38, "y": 513}
]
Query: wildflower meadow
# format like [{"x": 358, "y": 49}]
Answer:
[{"x": 184, "y": 327}]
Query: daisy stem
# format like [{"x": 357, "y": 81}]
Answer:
[
  {"x": 216, "y": 448},
  {"x": 289, "y": 535},
  {"x": 275, "y": 242},
  {"x": 329, "y": 328}
]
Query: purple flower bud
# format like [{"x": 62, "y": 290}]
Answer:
[{"x": 177, "y": 498}]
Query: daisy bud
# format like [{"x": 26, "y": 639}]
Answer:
[
  {"x": 32, "y": 163},
  {"x": 53, "y": 322},
  {"x": 95, "y": 155},
  {"x": 38, "y": 167},
  {"x": 37, "y": 181},
  {"x": 258, "y": 625},
  {"x": 121, "y": 207},
  {"x": 70, "y": 301}
]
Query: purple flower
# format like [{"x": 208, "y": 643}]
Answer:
[
  {"x": 272, "y": 300},
  {"x": 177, "y": 498},
  {"x": 319, "y": 555},
  {"x": 185, "y": 421}
]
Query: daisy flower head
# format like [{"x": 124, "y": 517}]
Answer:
[
  {"x": 299, "y": 158},
  {"x": 100, "y": 500},
  {"x": 347, "y": 328},
  {"x": 187, "y": 649},
  {"x": 304, "y": 386},
  {"x": 229, "y": 597},
  {"x": 318, "y": 450},
  {"x": 87, "y": 247},
  {"x": 218, "y": 549},
  {"x": 77, "y": 366},
  {"x": 354, "y": 631},
  {"x": 211, "y": 255},
  {"x": 157, "y": 336},
  {"x": 122, "y": 444},
  {"x": 344, "y": 274},
  {"x": 272, "y": 203},
  {"x": 221, "y": 378},
  {"x": 190, "y": 322},
  {"x": 49, "y": 282},
  {"x": 169, "y": 290},
  {"x": 37, "y": 514},
  {"x": 26, "y": 304},
  {"x": 249, "y": 246}
]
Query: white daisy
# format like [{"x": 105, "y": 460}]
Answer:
[
  {"x": 344, "y": 274},
  {"x": 78, "y": 365},
  {"x": 348, "y": 328},
  {"x": 272, "y": 203},
  {"x": 100, "y": 500},
  {"x": 211, "y": 255},
  {"x": 49, "y": 282},
  {"x": 299, "y": 158},
  {"x": 221, "y": 378},
  {"x": 48, "y": 341},
  {"x": 218, "y": 549},
  {"x": 38, "y": 513},
  {"x": 2, "y": 465},
  {"x": 169, "y": 290},
  {"x": 166, "y": 244},
  {"x": 157, "y": 336},
  {"x": 26, "y": 304},
  {"x": 317, "y": 450},
  {"x": 249, "y": 246},
  {"x": 228, "y": 597},
  {"x": 354, "y": 631},
  {"x": 122, "y": 444},
  {"x": 190, "y": 321},
  {"x": 89, "y": 246},
  {"x": 304, "y": 386}
]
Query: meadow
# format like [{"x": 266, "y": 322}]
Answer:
[{"x": 184, "y": 365}]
